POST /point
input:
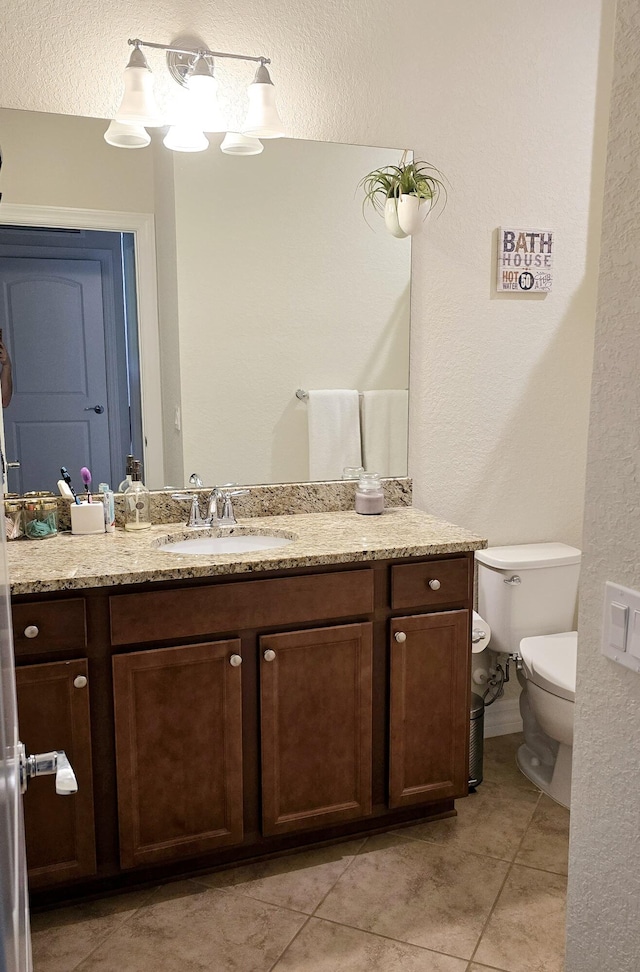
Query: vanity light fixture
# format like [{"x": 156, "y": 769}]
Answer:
[{"x": 200, "y": 112}]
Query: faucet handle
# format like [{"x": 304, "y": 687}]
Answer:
[{"x": 195, "y": 518}]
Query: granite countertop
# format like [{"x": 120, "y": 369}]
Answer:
[{"x": 67, "y": 562}]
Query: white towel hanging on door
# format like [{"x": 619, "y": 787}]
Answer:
[{"x": 333, "y": 416}]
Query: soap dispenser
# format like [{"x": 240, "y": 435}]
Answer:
[
  {"x": 128, "y": 475},
  {"x": 137, "y": 501}
]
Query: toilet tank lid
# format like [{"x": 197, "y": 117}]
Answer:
[
  {"x": 528, "y": 555},
  {"x": 550, "y": 662}
]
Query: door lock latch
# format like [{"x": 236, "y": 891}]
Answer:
[{"x": 49, "y": 764}]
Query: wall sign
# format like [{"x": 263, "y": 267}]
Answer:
[{"x": 525, "y": 260}]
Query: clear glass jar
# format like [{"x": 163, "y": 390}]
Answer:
[
  {"x": 13, "y": 516},
  {"x": 40, "y": 515},
  {"x": 352, "y": 472},
  {"x": 369, "y": 494}
]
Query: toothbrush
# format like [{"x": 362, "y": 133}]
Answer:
[
  {"x": 67, "y": 478},
  {"x": 86, "y": 479}
]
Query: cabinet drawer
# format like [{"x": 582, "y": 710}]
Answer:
[
  {"x": 201, "y": 611},
  {"x": 433, "y": 583},
  {"x": 52, "y": 626}
]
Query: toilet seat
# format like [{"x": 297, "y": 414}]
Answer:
[{"x": 550, "y": 661}]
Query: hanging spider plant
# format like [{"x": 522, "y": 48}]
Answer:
[{"x": 400, "y": 192}]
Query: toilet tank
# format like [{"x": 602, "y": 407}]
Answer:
[{"x": 528, "y": 589}]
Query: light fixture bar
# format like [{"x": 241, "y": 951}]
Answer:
[{"x": 200, "y": 52}]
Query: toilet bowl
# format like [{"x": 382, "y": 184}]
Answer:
[
  {"x": 528, "y": 593},
  {"x": 548, "y": 680}
]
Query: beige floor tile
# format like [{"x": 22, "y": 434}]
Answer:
[
  {"x": 324, "y": 947},
  {"x": 61, "y": 939},
  {"x": 193, "y": 932},
  {"x": 491, "y": 821},
  {"x": 527, "y": 928},
  {"x": 546, "y": 842},
  {"x": 474, "y": 967},
  {"x": 298, "y": 881},
  {"x": 417, "y": 892},
  {"x": 500, "y": 761}
]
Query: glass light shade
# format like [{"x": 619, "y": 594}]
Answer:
[
  {"x": 263, "y": 120},
  {"x": 235, "y": 144},
  {"x": 123, "y": 135},
  {"x": 185, "y": 138},
  {"x": 203, "y": 90},
  {"x": 138, "y": 106}
]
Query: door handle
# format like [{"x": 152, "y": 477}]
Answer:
[
  {"x": 48, "y": 764},
  {"x": 13, "y": 465},
  {"x": 98, "y": 409}
]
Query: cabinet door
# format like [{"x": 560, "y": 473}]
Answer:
[
  {"x": 316, "y": 727},
  {"x": 53, "y": 713},
  {"x": 178, "y": 716},
  {"x": 429, "y": 728}
]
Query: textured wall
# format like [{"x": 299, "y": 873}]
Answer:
[
  {"x": 502, "y": 96},
  {"x": 604, "y": 887}
]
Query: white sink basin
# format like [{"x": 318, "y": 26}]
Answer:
[{"x": 238, "y": 543}]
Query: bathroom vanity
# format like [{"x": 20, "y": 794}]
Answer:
[{"x": 220, "y": 709}]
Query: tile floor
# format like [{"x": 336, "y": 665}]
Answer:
[{"x": 483, "y": 891}]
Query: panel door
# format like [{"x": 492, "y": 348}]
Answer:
[
  {"x": 51, "y": 315},
  {"x": 178, "y": 717},
  {"x": 429, "y": 714},
  {"x": 53, "y": 711},
  {"x": 316, "y": 692}
]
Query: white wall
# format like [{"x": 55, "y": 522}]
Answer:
[
  {"x": 604, "y": 884},
  {"x": 501, "y": 96},
  {"x": 281, "y": 285}
]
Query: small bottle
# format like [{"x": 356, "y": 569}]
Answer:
[
  {"x": 369, "y": 494},
  {"x": 137, "y": 502},
  {"x": 128, "y": 474},
  {"x": 109, "y": 508}
]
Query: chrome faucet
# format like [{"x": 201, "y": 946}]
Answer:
[
  {"x": 221, "y": 512},
  {"x": 195, "y": 517}
]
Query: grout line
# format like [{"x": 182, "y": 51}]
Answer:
[
  {"x": 289, "y": 944},
  {"x": 387, "y": 938},
  {"x": 125, "y": 921},
  {"x": 506, "y": 877}
]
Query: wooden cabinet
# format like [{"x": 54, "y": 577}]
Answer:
[
  {"x": 315, "y": 690},
  {"x": 429, "y": 717},
  {"x": 53, "y": 713},
  {"x": 329, "y": 727},
  {"x": 178, "y": 719}
]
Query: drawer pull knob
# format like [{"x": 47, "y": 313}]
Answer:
[
  {"x": 434, "y": 584},
  {"x": 400, "y": 637},
  {"x": 31, "y": 631},
  {"x": 80, "y": 681},
  {"x": 235, "y": 661},
  {"x": 269, "y": 655}
]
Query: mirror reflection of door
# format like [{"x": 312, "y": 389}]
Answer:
[{"x": 68, "y": 320}]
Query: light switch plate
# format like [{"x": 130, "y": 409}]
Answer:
[{"x": 621, "y": 625}]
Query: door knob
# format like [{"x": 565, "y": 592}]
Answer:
[
  {"x": 31, "y": 631},
  {"x": 400, "y": 637},
  {"x": 98, "y": 409},
  {"x": 269, "y": 655},
  {"x": 434, "y": 584},
  {"x": 80, "y": 681},
  {"x": 235, "y": 661}
]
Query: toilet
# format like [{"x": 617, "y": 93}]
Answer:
[{"x": 528, "y": 595}]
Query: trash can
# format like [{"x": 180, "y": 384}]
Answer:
[{"x": 476, "y": 740}]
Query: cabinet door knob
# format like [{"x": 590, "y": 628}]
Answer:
[
  {"x": 434, "y": 584},
  {"x": 31, "y": 631},
  {"x": 269, "y": 655},
  {"x": 400, "y": 637},
  {"x": 80, "y": 681},
  {"x": 235, "y": 661}
]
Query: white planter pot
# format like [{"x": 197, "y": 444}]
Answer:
[
  {"x": 409, "y": 214},
  {"x": 391, "y": 219}
]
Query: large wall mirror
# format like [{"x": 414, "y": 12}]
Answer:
[{"x": 174, "y": 304}]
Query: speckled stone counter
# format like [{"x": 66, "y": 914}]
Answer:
[{"x": 67, "y": 562}]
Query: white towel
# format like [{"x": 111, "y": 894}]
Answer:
[
  {"x": 385, "y": 423},
  {"x": 334, "y": 432}
]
